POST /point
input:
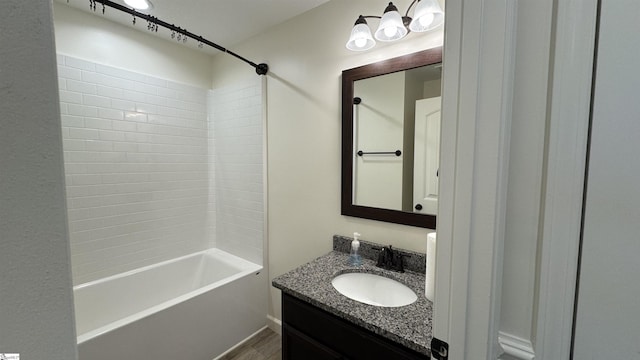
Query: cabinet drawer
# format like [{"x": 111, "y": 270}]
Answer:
[{"x": 347, "y": 339}]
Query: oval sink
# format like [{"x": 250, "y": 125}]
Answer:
[{"x": 374, "y": 289}]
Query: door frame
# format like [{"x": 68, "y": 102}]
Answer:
[
  {"x": 568, "y": 132},
  {"x": 475, "y": 135},
  {"x": 474, "y": 159}
]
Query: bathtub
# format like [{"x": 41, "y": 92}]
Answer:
[{"x": 194, "y": 307}]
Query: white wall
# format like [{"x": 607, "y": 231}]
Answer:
[
  {"x": 91, "y": 37},
  {"x": 136, "y": 164},
  {"x": 306, "y": 56},
  {"x": 36, "y": 311}
]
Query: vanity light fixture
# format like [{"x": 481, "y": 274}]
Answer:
[
  {"x": 139, "y": 4},
  {"x": 427, "y": 16}
]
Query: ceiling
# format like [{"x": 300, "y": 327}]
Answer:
[{"x": 224, "y": 22}]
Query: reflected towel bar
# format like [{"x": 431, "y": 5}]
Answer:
[{"x": 397, "y": 153}]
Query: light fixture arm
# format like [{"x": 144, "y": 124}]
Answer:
[
  {"x": 406, "y": 14},
  {"x": 406, "y": 19},
  {"x": 368, "y": 17}
]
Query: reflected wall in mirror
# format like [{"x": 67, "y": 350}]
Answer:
[{"x": 391, "y": 139}]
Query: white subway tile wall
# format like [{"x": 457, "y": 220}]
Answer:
[
  {"x": 139, "y": 169},
  {"x": 237, "y": 129}
]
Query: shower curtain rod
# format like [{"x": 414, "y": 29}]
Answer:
[{"x": 261, "y": 69}]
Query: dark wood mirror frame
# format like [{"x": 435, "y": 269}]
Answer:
[{"x": 411, "y": 61}]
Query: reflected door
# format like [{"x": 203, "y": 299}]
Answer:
[{"x": 426, "y": 155}]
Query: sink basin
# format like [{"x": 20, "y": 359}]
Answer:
[{"x": 374, "y": 289}]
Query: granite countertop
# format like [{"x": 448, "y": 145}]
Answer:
[{"x": 408, "y": 325}]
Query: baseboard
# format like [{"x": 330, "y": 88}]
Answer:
[
  {"x": 274, "y": 324},
  {"x": 239, "y": 344},
  {"x": 515, "y": 347}
]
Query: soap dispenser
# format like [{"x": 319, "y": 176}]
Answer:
[{"x": 354, "y": 257}]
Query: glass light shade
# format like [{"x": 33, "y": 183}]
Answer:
[
  {"x": 391, "y": 27},
  {"x": 428, "y": 16},
  {"x": 139, "y": 4},
  {"x": 360, "y": 39}
]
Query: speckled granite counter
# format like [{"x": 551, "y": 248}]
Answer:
[{"x": 407, "y": 325}]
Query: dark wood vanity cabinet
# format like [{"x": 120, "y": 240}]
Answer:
[{"x": 309, "y": 333}]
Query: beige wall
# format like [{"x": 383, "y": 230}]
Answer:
[{"x": 306, "y": 56}]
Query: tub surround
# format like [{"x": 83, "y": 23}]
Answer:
[
  {"x": 157, "y": 169},
  {"x": 409, "y": 326}
]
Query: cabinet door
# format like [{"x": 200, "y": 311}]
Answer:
[
  {"x": 298, "y": 346},
  {"x": 337, "y": 337}
]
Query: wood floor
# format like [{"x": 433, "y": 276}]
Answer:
[{"x": 266, "y": 345}]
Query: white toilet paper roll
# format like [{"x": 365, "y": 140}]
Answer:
[{"x": 429, "y": 288}]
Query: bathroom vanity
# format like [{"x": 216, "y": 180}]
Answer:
[{"x": 320, "y": 323}]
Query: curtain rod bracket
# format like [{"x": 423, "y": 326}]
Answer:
[{"x": 262, "y": 69}]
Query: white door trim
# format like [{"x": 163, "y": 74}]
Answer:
[
  {"x": 470, "y": 215},
  {"x": 476, "y": 120},
  {"x": 564, "y": 184},
  {"x": 515, "y": 347}
]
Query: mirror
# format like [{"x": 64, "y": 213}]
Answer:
[{"x": 390, "y": 139}]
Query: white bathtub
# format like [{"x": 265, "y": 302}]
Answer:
[{"x": 194, "y": 307}]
